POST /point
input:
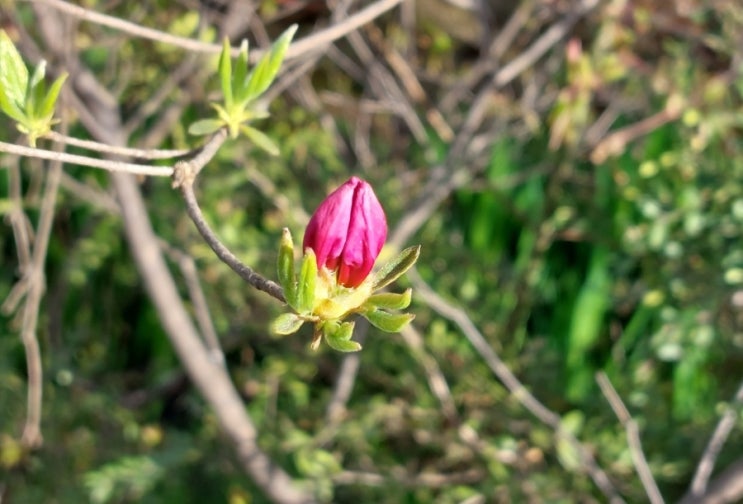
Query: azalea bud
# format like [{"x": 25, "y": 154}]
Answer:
[{"x": 347, "y": 232}]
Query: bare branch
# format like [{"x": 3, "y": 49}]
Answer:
[
  {"x": 312, "y": 43},
  {"x": 633, "y": 438},
  {"x": 105, "y": 164},
  {"x": 715, "y": 444},
  {"x": 120, "y": 151},
  {"x": 512, "y": 383},
  {"x": 183, "y": 178}
]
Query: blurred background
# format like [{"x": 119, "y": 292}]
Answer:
[{"x": 572, "y": 169}]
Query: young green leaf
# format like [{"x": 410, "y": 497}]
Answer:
[
  {"x": 343, "y": 346},
  {"x": 37, "y": 76},
  {"x": 265, "y": 71},
  {"x": 339, "y": 337},
  {"x": 50, "y": 100},
  {"x": 307, "y": 282},
  {"x": 287, "y": 323},
  {"x": 397, "y": 267},
  {"x": 388, "y": 322},
  {"x": 240, "y": 74},
  {"x": 13, "y": 72},
  {"x": 344, "y": 331},
  {"x": 287, "y": 278},
  {"x": 205, "y": 127},
  {"x": 261, "y": 140},
  {"x": 390, "y": 300},
  {"x": 36, "y": 91},
  {"x": 225, "y": 73}
]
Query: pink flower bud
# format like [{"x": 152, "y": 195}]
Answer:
[{"x": 347, "y": 231}]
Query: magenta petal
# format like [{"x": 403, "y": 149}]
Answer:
[
  {"x": 347, "y": 231},
  {"x": 328, "y": 227}
]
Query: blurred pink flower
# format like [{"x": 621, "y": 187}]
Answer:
[{"x": 347, "y": 232}]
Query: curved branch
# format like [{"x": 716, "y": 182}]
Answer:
[{"x": 105, "y": 164}]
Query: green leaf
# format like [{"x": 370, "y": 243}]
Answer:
[
  {"x": 287, "y": 323},
  {"x": 14, "y": 74},
  {"x": 287, "y": 278},
  {"x": 36, "y": 91},
  {"x": 397, "y": 267},
  {"x": 225, "y": 73},
  {"x": 390, "y": 300},
  {"x": 261, "y": 140},
  {"x": 339, "y": 337},
  {"x": 388, "y": 322},
  {"x": 307, "y": 281},
  {"x": 240, "y": 73},
  {"x": 265, "y": 71},
  {"x": 37, "y": 76},
  {"x": 205, "y": 127},
  {"x": 50, "y": 100},
  {"x": 344, "y": 331},
  {"x": 11, "y": 108}
]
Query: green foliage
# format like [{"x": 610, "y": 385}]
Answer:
[
  {"x": 631, "y": 265},
  {"x": 241, "y": 89},
  {"x": 26, "y": 101}
]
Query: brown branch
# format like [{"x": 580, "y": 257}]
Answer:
[
  {"x": 105, "y": 164},
  {"x": 101, "y": 117},
  {"x": 633, "y": 438},
  {"x": 184, "y": 175},
  {"x": 512, "y": 383},
  {"x": 315, "y": 42},
  {"x": 715, "y": 444}
]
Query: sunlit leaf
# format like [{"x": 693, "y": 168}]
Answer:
[
  {"x": 285, "y": 267},
  {"x": 307, "y": 282},
  {"x": 225, "y": 73},
  {"x": 388, "y": 322},
  {"x": 13, "y": 72},
  {"x": 50, "y": 100},
  {"x": 261, "y": 140},
  {"x": 287, "y": 323},
  {"x": 397, "y": 267},
  {"x": 205, "y": 127},
  {"x": 390, "y": 300},
  {"x": 268, "y": 67}
]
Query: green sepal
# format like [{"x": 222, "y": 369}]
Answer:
[
  {"x": 225, "y": 73},
  {"x": 265, "y": 71},
  {"x": 260, "y": 140},
  {"x": 205, "y": 127},
  {"x": 396, "y": 268},
  {"x": 388, "y": 322},
  {"x": 338, "y": 337},
  {"x": 14, "y": 75},
  {"x": 307, "y": 281},
  {"x": 390, "y": 300},
  {"x": 287, "y": 323},
  {"x": 285, "y": 266}
]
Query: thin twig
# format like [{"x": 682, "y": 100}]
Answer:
[
  {"x": 300, "y": 48},
  {"x": 184, "y": 175},
  {"x": 121, "y": 151},
  {"x": 715, "y": 444},
  {"x": 512, "y": 383},
  {"x": 633, "y": 438},
  {"x": 446, "y": 177},
  {"x": 32, "y": 436},
  {"x": 187, "y": 266},
  {"x": 105, "y": 164},
  {"x": 424, "y": 479}
]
